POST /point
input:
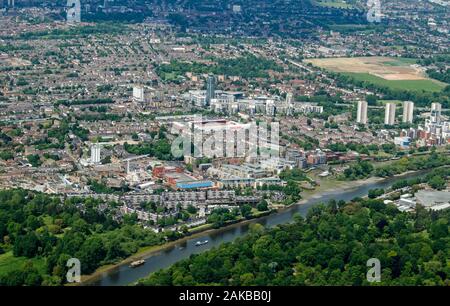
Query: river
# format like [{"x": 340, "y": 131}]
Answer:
[{"x": 124, "y": 275}]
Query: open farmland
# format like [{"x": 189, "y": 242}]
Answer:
[
  {"x": 417, "y": 85},
  {"x": 383, "y": 71}
]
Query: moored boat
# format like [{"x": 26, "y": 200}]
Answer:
[
  {"x": 198, "y": 243},
  {"x": 137, "y": 263}
]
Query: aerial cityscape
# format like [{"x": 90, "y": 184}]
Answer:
[{"x": 225, "y": 143}]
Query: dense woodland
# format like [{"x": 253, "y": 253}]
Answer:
[
  {"x": 364, "y": 169},
  {"x": 159, "y": 146},
  {"x": 439, "y": 64},
  {"x": 330, "y": 246},
  {"x": 248, "y": 66},
  {"x": 39, "y": 233}
]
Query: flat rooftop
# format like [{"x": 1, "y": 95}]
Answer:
[{"x": 430, "y": 198}]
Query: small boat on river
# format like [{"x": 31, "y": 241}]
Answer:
[
  {"x": 199, "y": 243},
  {"x": 137, "y": 263}
]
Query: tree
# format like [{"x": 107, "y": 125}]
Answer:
[
  {"x": 329, "y": 247},
  {"x": 89, "y": 234},
  {"x": 106, "y": 160},
  {"x": 292, "y": 189},
  {"x": 184, "y": 229},
  {"x": 12, "y": 278},
  {"x": 6, "y": 155},
  {"x": 437, "y": 182},
  {"x": 191, "y": 209},
  {"x": 371, "y": 100},
  {"x": 439, "y": 229},
  {"x": 246, "y": 210},
  {"x": 375, "y": 193},
  {"x": 26, "y": 245},
  {"x": 32, "y": 277},
  {"x": 34, "y": 160},
  {"x": 92, "y": 252},
  {"x": 262, "y": 206}
]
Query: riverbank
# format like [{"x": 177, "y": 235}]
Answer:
[
  {"x": 167, "y": 255},
  {"x": 146, "y": 252},
  {"x": 326, "y": 186}
]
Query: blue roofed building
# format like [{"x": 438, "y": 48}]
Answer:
[{"x": 194, "y": 184}]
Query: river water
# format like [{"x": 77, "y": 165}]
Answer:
[{"x": 124, "y": 275}]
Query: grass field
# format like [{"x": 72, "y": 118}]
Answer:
[
  {"x": 414, "y": 85},
  {"x": 394, "y": 73},
  {"x": 10, "y": 263},
  {"x": 400, "y": 62}
]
